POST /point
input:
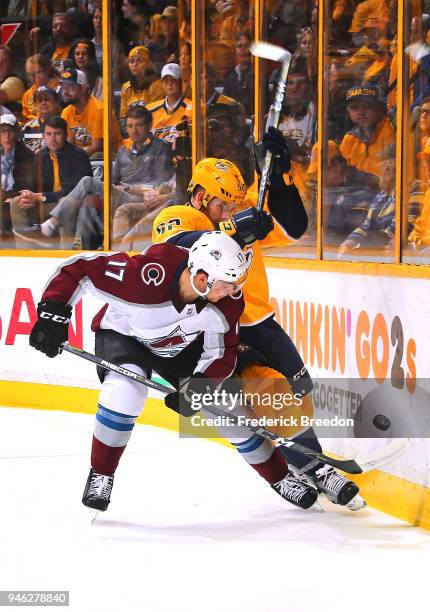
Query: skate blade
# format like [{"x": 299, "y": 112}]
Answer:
[
  {"x": 92, "y": 515},
  {"x": 317, "y": 508},
  {"x": 356, "y": 503}
]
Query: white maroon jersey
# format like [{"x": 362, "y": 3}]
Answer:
[{"x": 142, "y": 300}]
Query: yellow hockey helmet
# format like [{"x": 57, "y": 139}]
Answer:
[{"x": 219, "y": 178}]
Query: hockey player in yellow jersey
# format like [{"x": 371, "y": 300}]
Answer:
[{"x": 218, "y": 198}]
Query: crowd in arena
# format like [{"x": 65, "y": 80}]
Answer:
[{"x": 52, "y": 122}]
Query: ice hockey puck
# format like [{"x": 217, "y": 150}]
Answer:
[{"x": 381, "y": 422}]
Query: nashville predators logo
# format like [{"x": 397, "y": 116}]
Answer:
[
  {"x": 220, "y": 165},
  {"x": 81, "y": 135}
]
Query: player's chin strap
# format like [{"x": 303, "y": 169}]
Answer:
[
  {"x": 201, "y": 293},
  {"x": 210, "y": 284}
]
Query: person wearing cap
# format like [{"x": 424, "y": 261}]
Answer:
[
  {"x": 62, "y": 165},
  {"x": 12, "y": 86},
  {"x": 372, "y": 131},
  {"x": 39, "y": 72},
  {"x": 84, "y": 114},
  {"x": 165, "y": 49},
  {"x": 46, "y": 104},
  {"x": 348, "y": 193},
  {"x": 144, "y": 84},
  {"x": 17, "y": 169},
  {"x": 173, "y": 109}
]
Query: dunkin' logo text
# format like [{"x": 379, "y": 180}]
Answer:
[{"x": 322, "y": 335}]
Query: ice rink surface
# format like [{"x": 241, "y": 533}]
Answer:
[{"x": 190, "y": 528}]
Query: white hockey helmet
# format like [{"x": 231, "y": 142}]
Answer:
[{"x": 221, "y": 258}]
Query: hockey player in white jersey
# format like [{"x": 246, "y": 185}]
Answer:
[{"x": 166, "y": 309}]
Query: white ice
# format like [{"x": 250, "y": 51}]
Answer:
[{"x": 190, "y": 528}]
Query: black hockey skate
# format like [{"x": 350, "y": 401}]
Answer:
[
  {"x": 336, "y": 487},
  {"x": 296, "y": 490},
  {"x": 97, "y": 491}
]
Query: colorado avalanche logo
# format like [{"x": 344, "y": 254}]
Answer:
[
  {"x": 170, "y": 345},
  {"x": 153, "y": 273}
]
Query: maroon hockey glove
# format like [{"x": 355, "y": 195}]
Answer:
[{"x": 51, "y": 328}]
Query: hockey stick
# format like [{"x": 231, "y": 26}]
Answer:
[
  {"x": 382, "y": 456},
  {"x": 277, "y": 54},
  {"x": 349, "y": 465},
  {"x": 107, "y": 365}
]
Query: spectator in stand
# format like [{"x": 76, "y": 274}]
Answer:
[
  {"x": 418, "y": 58},
  {"x": 84, "y": 58},
  {"x": 304, "y": 58},
  {"x": 239, "y": 83},
  {"x": 185, "y": 28},
  {"x": 135, "y": 30},
  {"x": 98, "y": 37},
  {"x": 364, "y": 11},
  {"x": 143, "y": 159},
  {"x": 339, "y": 81},
  {"x": 210, "y": 93},
  {"x": 371, "y": 63},
  {"x": 223, "y": 7},
  {"x": 83, "y": 113},
  {"x": 142, "y": 168},
  {"x": 173, "y": 108},
  {"x": 298, "y": 118},
  {"x": 39, "y": 72},
  {"x": 165, "y": 49},
  {"x": 348, "y": 193},
  {"x": 12, "y": 87},
  {"x": 238, "y": 22},
  {"x": 17, "y": 168},
  {"x": 144, "y": 84},
  {"x": 372, "y": 132},
  {"x": 378, "y": 228},
  {"x": 59, "y": 48},
  {"x": 212, "y": 98},
  {"x": 47, "y": 104},
  {"x": 185, "y": 65},
  {"x": 62, "y": 166},
  {"x": 223, "y": 130}
]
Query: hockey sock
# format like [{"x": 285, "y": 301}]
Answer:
[
  {"x": 266, "y": 459},
  {"x": 112, "y": 431},
  {"x": 309, "y": 439},
  {"x": 48, "y": 228}
]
